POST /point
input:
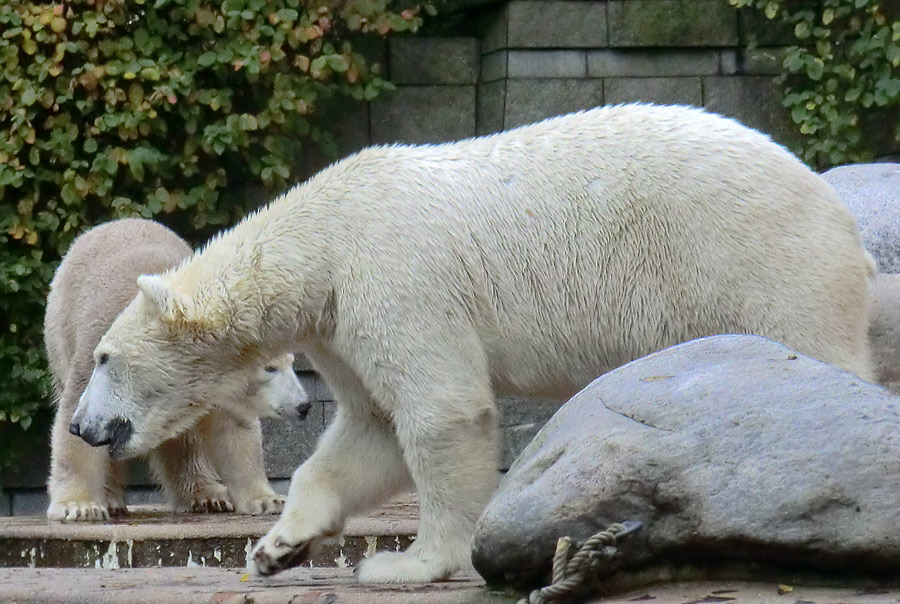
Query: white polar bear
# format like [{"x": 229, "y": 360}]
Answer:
[
  {"x": 217, "y": 464},
  {"x": 422, "y": 280}
]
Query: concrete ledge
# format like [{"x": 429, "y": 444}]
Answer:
[{"x": 149, "y": 537}]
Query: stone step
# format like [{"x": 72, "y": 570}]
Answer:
[
  {"x": 228, "y": 586},
  {"x": 337, "y": 585},
  {"x": 152, "y": 537}
]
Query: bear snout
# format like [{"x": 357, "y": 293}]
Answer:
[
  {"x": 90, "y": 434},
  {"x": 115, "y": 433},
  {"x": 303, "y": 410}
]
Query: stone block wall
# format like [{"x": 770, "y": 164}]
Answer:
[
  {"x": 517, "y": 62},
  {"x": 545, "y": 57}
]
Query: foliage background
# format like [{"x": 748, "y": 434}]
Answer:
[
  {"x": 841, "y": 79},
  {"x": 112, "y": 108}
]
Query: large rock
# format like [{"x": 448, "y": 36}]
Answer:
[
  {"x": 725, "y": 448},
  {"x": 884, "y": 330},
  {"x": 872, "y": 192}
]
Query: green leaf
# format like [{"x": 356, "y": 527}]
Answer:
[
  {"x": 29, "y": 97},
  {"x": 815, "y": 69},
  {"x": 371, "y": 92},
  {"x": 69, "y": 194},
  {"x": 248, "y": 122},
  {"x": 206, "y": 59}
]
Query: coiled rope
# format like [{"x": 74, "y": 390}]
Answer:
[{"x": 574, "y": 565}]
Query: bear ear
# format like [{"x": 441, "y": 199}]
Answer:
[{"x": 158, "y": 295}]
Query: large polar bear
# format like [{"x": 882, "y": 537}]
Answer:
[
  {"x": 422, "y": 280},
  {"x": 216, "y": 465}
]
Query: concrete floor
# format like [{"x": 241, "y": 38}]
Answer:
[{"x": 337, "y": 586}]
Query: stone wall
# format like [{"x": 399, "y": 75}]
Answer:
[
  {"x": 510, "y": 64},
  {"x": 531, "y": 59}
]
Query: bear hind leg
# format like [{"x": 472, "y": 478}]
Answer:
[
  {"x": 452, "y": 452},
  {"x": 236, "y": 454},
  {"x": 188, "y": 477}
]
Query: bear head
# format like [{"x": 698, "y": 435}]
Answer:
[{"x": 165, "y": 362}]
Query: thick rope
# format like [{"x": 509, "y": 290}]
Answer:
[{"x": 574, "y": 566}]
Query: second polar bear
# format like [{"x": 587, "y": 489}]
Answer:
[
  {"x": 215, "y": 465},
  {"x": 422, "y": 280}
]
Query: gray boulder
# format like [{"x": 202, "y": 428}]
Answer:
[
  {"x": 884, "y": 330},
  {"x": 872, "y": 192},
  {"x": 726, "y": 448}
]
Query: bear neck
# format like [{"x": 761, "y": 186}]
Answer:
[{"x": 266, "y": 284}]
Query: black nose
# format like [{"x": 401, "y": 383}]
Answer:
[
  {"x": 91, "y": 436},
  {"x": 75, "y": 429},
  {"x": 303, "y": 410}
]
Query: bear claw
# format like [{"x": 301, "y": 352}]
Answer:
[
  {"x": 211, "y": 506},
  {"x": 262, "y": 506},
  {"x": 78, "y": 511},
  {"x": 266, "y": 564}
]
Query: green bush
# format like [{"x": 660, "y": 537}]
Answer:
[
  {"x": 151, "y": 108},
  {"x": 841, "y": 80}
]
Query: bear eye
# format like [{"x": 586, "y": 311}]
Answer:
[
  {"x": 271, "y": 369},
  {"x": 104, "y": 358}
]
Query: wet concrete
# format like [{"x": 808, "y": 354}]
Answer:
[{"x": 151, "y": 537}]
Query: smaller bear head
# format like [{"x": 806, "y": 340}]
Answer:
[{"x": 159, "y": 369}]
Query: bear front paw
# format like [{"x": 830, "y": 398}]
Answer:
[
  {"x": 272, "y": 556},
  {"x": 270, "y": 504},
  {"x": 204, "y": 499},
  {"x": 210, "y": 505},
  {"x": 406, "y": 567},
  {"x": 78, "y": 511},
  {"x": 116, "y": 507}
]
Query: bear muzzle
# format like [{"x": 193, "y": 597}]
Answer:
[{"x": 115, "y": 433}]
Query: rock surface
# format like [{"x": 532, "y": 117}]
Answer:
[
  {"x": 884, "y": 330},
  {"x": 872, "y": 192},
  {"x": 725, "y": 448}
]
